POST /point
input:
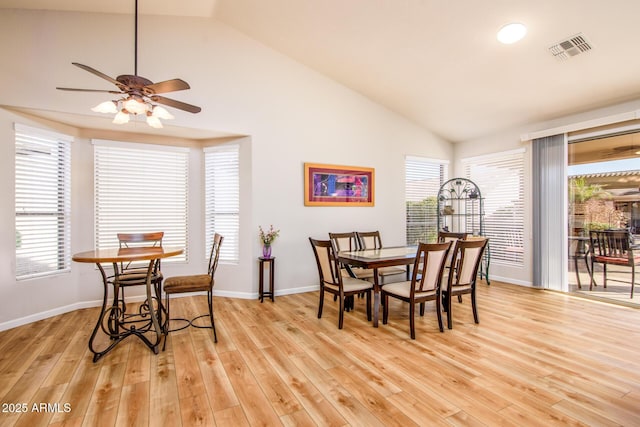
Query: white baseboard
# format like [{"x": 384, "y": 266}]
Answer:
[
  {"x": 48, "y": 313},
  {"x": 510, "y": 280},
  {"x": 97, "y": 303}
]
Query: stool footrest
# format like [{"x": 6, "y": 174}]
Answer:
[{"x": 189, "y": 323}]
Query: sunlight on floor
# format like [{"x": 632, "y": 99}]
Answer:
[{"x": 618, "y": 288}]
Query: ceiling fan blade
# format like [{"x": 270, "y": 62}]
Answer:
[
  {"x": 88, "y": 90},
  {"x": 99, "y": 74},
  {"x": 176, "y": 104},
  {"x": 167, "y": 86}
]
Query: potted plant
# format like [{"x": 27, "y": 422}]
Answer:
[{"x": 267, "y": 238}]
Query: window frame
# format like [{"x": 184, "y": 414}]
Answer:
[
  {"x": 161, "y": 177},
  {"x": 35, "y": 196},
  {"x": 423, "y": 169},
  {"x": 222, "y": 164},
  {"x": 505, "y": 232}
]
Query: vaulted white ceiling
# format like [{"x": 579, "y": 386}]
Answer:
[{"x": 436, "y": 62}]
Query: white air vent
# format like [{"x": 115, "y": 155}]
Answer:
[{"x": 572, "y": 46}]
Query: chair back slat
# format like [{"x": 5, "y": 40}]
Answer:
[
  {"x": 344, "y": 241},
  {"x": 611, "y": 243},
  {"x": 467, "y": 255},
  {"x": 428, "y": 267}
]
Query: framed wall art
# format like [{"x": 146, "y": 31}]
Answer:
[{"x": 333, "y": 185}]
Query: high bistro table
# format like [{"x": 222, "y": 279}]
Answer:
[
  {"x": 113, "y": 319},
  {"x": 377, "y": 258}
]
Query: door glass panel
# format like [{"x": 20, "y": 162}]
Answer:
[{"x": 604, "y": 194}]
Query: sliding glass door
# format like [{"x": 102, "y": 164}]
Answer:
[{"x": 604, "y": 193}]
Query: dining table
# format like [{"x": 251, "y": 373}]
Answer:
[
  {"x": 375, "y": 259},
  {"x": 114, "y": 321}
]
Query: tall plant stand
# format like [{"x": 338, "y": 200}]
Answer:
[
  {"x": 270, "y": 264},
  {"x": 461, "y": 210}
]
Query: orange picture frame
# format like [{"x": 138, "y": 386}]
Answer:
[{"x": 335, "y": 185}]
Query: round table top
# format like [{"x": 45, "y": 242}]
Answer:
[{"x": 126, "y": 254}]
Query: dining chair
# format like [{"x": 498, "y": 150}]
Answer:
[
  {"x": 450, "y": 236},
  {"x": 333, "y": 282},
  {"x": 373, "y": 240},
  {"x": 463, "y": 274},
  {"x": 194, "y": 283},
  {"x": 135, "y": 273},
  {"x": 613, "y": 247},
  {"x": 349, "y": 242},
  {"x": 425, "y": 283}
]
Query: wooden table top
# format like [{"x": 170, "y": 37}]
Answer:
[
  {"x": 374, "y": 258},
  {"x": 126, "y": 254}
]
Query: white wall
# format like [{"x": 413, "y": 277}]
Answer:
[{"x": 292, "y": 115}]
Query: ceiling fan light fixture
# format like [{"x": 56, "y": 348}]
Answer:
[
  {"x": 161, "y": 113},
  {"x": 121, "y": 118},
  {"x": 135, "y": 106},
  {"x": 511, "y": 33},
  {"x": 106, "y": 107},
  {"x": 154, "y": 121}
]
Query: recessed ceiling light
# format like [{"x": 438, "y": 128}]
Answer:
[{"x": 511, "y": 33}]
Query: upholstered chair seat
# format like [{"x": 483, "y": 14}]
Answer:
[
  {"x": 183, "y": 284},
  {"x": 403, "y": 289}
]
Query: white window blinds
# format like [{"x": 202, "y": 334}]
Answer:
[
  {"x": 42, "y": 202},
  {"x": 500, "y": 178},
  {"x": 423, "y": 178},
  {"x": 222, "y": 199},
  {"x": 141, "y": 188}
]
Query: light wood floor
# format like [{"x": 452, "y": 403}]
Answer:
[{"x": 536, "y": 358}]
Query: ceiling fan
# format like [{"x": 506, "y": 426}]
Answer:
[
  {"x": 140, "y": 95},
  {"x": 622, "y": 151}
]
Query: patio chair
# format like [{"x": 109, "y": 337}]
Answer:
[{"x": 613, "y": 247}]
